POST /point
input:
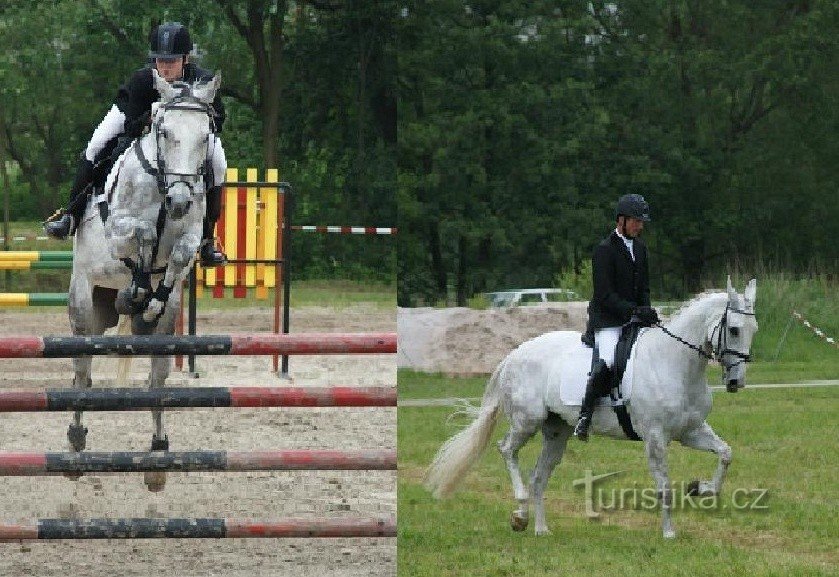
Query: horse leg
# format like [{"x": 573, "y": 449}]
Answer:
[
  {"x": 555, "y": 434},
  {"x": 183, "y": 253},
  {"x": 522, "y": 428},
  {"x": 82, "y": 322},
  {"x": 656, "y": 448},
  {"x": 160, "y": 366},
  {"x": 705, "y": 439}
]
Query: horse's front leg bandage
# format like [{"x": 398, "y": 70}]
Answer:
[{"x": 179, "y": 264}]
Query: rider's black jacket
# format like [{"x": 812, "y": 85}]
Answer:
[
  {"x": 620, "y": 284},
  {"x": 135, "y": 97}
]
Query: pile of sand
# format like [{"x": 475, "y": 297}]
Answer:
[{"x": 463, "y": 341}]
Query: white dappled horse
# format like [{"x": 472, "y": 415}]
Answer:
[
  {"x": 134, "y": 262},
  {"x": 670, "y": 401}
]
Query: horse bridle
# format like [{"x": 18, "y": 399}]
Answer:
[
  {"x": 722, "y": 340},
  {"x": 722, "y": 349},
  {"x": 160, "y": 173}
]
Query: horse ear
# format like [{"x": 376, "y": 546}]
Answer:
[
  {"x": 206, "y": 92},
  {"x": 164, "y": 88},
  {"x": 751, "y": 292},
  {"x": 732, "y": 294}
]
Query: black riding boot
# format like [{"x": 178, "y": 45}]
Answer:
[
  {"x": 209, "y": 255},
  {"x": 596, "y": 387},
  {"x": 66, "y": 225}
]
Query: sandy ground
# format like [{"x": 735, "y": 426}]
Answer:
[
  {"x": 257, "y": 495},
  {"x": 462, "y": 341}
]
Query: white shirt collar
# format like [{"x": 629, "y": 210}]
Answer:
[{"x": 628, "y": 242}]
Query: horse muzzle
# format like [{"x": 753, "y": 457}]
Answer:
[
  {"x": 733, "y": 385},
  {"x": 178, "y": 204}
]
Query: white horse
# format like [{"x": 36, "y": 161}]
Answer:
[
  {"x": 670, "y": 401},
  {"x": 134, "y": 262}
]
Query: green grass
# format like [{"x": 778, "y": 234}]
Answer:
[
  {"x": 783, "y": 441},
  {"x": 329, "y": 293}
]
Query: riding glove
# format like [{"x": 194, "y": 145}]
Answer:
[{"x": 646, "y": 315}]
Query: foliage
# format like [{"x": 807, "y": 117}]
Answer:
[
  {"x": 580, "y": 280},
  {"x": 331, "y": 76},
  {"x": 522, "y": 123}
]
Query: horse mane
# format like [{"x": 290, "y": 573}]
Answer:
[{"x": 695, "y": 301}]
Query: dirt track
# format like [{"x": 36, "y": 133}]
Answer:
[{"x": 257, "y": 495}]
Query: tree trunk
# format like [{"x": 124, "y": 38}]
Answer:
[
  {"x": 268, "y": 62},
  {"x": 461, "y": 288},
  {"x": 438, "y": 269}
]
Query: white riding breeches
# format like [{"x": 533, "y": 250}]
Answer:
[
  {"x": 112, "y": 125},
  {"x": 606, "y": 340},
  {"x": 219, "y": 160}
]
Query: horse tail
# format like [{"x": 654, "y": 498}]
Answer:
[
  {"x": 124, "y": 364},
  {"x": 460, "y": 452}
]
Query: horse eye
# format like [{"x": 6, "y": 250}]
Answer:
[{"x": 735, "y": 332}]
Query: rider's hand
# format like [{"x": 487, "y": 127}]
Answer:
[
  {"x": 135, "y": 127},
  {"x": 647, "y": 315}
]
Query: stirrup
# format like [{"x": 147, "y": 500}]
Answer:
[{"x": 209, "y": 256}]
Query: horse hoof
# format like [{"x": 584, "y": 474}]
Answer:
[
  {"x": 692, "y": 489},
  {"x": 700, "y": 489},
  {"x": 542, "y": 532},
  {"x": 155, "y": 481},
  {"x": 123, "y": 303},
  {"x": 139, "y": 326},
  {"x": 670, "y": 534},
  {"x": 77, "y": 435},
  {"x": 518, "y": 521}
]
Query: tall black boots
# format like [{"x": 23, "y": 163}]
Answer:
[
  {"x": 66, "y": 225},
  {"x": 208, "y": 254},
  {"x": 598, "y": 385}
]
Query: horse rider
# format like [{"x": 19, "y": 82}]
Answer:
[
  {"x": 170, "y": 45},
  {"x": 621, "y": 293}
]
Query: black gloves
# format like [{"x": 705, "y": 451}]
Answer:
[
  {"x": 646, "y": 315},
  {"x": 134, "y": 128}
]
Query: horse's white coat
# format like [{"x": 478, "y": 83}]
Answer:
[{"x": 670, "y": 402}]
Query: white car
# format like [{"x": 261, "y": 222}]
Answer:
[{"x": 515, "y": 297}]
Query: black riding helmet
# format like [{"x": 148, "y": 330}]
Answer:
[
  {"x": 169, "y": 40},
  {"x": 634, "y": 206}
]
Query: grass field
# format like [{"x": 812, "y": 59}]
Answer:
[{"x": 784, "y": 441}]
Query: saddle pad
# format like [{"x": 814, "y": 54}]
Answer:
[{"x": 570, "y": 374}]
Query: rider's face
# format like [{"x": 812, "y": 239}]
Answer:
[
  {"x": 632, "y": 226},
  {"x": 171, "y": 70}
]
